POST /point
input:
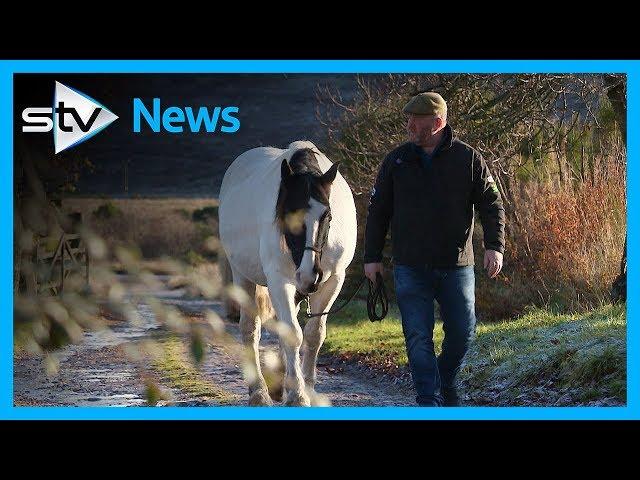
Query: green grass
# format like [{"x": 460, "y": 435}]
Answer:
[
  {"x": 176, "y": 366},
  {"x": 580, "y": 355},
  {"x": 351, "y": 333}
]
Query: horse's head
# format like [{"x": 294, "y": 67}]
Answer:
[{"x": 303, "y": 214}]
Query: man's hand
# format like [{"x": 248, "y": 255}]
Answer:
[
  {"x": 492, "y": 263},
  {"x": 370, "y": 270}
]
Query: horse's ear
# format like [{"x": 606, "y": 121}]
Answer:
[
  {"x": 285, "y": 169},
  {"x": 330, "y": 175}
]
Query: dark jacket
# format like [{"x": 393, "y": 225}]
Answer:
[{"x": 431, "y": 209}]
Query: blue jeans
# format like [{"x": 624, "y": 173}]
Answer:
[{"x": 454, "y": 290}]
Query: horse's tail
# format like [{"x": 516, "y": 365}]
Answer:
[{"x": 263, "y": 302}]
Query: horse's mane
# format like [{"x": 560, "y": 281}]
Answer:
[{"x": 304, "y": 161}]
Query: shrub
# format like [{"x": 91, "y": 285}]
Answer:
[
  {"x": 205, "y": 214},
  {"x": 194, "y": 258},
  {"x": 106, "y": 211}
]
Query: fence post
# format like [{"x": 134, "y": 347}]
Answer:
[{"x": 62, "y": 264}]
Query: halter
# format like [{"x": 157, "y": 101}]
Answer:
[
  {"x": 320, "y": 241},
  {"x": 322, "y": 235}
]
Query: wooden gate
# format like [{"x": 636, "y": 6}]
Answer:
[{"x": 53, "y": 267}]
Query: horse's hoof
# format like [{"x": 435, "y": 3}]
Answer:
[
  {"x": 319, "y": 399},
  {"x": 297, "y": 400},
  {"x": 260, "y": 398}
]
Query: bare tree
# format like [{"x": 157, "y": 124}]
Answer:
[{"x": 525, "y": 126}]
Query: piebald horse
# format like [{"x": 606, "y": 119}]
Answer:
[{"x": 287, "y": 223}]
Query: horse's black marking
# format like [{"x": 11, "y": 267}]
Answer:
[
  {"x": 302, "y": 180},
  {"x": 298, "y": 297},
  {"x": 305, "y": 161}
]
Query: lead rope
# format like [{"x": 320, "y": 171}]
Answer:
[{"x": 377, "y": 296}]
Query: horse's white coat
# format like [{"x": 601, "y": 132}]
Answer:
[{"x": 258, "y": 255}]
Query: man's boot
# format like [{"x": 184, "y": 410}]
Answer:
[{"x": 450, "y": 397}]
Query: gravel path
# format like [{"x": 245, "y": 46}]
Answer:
[{"x": 97, "y": 372}]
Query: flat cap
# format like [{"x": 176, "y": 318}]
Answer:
[{"x": 426, "y": 103}]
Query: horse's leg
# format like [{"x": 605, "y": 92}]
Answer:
[
  {"x": 231, "y": 309},
  {"x": 250, "y": 330},
  {"x": 282, "y": 297},
  {"x": 273, "y": 375},
  {"x": 316, "y": 329}
]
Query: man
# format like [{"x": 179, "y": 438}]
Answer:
[{"x": 428, "y": 189}]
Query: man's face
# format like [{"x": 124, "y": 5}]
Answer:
[{"x": 421, "y": 128}]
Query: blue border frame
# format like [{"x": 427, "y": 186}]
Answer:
[{"x": 8, "y": 68}]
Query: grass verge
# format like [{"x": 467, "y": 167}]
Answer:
[
  {"x": 176, "y": 367},
  {"x": 540, "y": 358}
]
